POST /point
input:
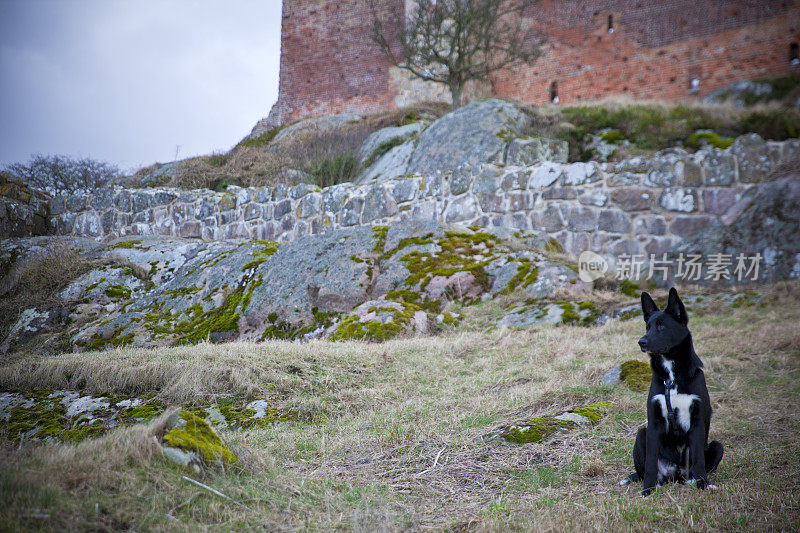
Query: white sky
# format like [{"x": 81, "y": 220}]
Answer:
[{"x": 128, "y": 81}]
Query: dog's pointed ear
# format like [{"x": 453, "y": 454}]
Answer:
[
  {"x": 648, "y": 306},
  {"x": 675, "y": 307}
]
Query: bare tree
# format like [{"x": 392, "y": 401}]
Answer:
[
  {"x": 455, "y": 41},
  {"x": 60, "y": 175}
]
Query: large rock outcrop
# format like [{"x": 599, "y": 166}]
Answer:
[{"x": 366, "y": 283}]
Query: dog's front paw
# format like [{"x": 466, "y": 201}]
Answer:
[
  {"x": 701, "y": 484},
  {"x": 647, "y": 491}
]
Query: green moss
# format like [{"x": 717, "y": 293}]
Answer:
[
  {"x": 286, "y": 331},
  {"x": 536, "y": 430},
  {"x": 527, "y": 273},
  {"x": 636, "y": 375},
  {"x": 408, "y": 296},
  {"x": 449, "y": 319},
  {"x": 269, "y": 248},
  {"x": 351, "y": 329},
  {"x": 552, "y": 245},
  {"x": 93, "y": 286},
  {"x": 202, "y": 325},
  {"x": 182, "y": 291},
  {"x": 254, "y": 263},
  {"x": 128, "y": 244},
  {"x": 379, "y": 232},
  {"x": 198, "y": 437},
  {"x": 96, "y": 342},
  {"x": 612, "y": 136},
  {"x": 261, "y": 140},
  {"x": 629, "y": 288},
  {"x": 698, "y": 139},
  {"x": 746, "y": 299},
  {"x": 118, "y": 292},
  {"x": 593, "y": 411},
  {"x": 83, "y": 431},
  {"x": 142, "y": 412},
  {"x": 458, "y": 254},
  {"x": 582, "y": 313},
  {"x": 383, "y": 148},
  {"x": 47, "y": 418}
]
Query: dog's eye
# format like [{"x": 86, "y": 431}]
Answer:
[{"x": 660, "y": 327}]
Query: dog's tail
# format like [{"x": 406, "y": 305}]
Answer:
[{"x": 633, "y": 478}]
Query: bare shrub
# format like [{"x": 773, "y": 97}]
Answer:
[{"x": 61, "y": 175}]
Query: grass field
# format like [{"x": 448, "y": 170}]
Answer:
[{"x": 398, "y": 443}]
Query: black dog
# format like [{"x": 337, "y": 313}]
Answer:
[{"x": 674, "y": 446}]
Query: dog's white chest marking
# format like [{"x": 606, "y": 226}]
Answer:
[{"x": 681, "y": 404}]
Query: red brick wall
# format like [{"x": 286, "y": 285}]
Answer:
[{"x": 329, "y": 63}]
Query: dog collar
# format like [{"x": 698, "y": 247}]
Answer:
[{"x": 669, "y": 385}]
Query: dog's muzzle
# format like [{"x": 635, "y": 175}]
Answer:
[{"x": 643, "y": 344}]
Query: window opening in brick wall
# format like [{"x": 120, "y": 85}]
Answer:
[
  {"x": 554, "y": 92},
  {"x": 611, "y": 24},
  {"x": 794, "y": 58},
  {"x": 694, "y": 86}
]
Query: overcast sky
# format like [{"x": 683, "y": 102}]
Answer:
[{"x": 129, "y": 81}]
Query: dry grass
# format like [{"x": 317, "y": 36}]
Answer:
[
  {"x": 265, "y": 164},
  {"x": 36, "y": 281},
  {"x": 402, "y": 447}
]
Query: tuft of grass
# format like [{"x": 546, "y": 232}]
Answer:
[{"x": 331, "y": 170}]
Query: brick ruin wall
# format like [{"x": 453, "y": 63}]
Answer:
[
  {"x": 329, "y": 63},
  {"x": 639, "y": 205}
]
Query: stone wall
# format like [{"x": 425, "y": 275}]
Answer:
[
  {"x": 330, "y": 65},
  {"x": 23, "y": 211},
  {"x": 639, "y": 205}
]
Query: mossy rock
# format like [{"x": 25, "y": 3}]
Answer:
[
  {"x": 194, "y": 436},
  {"x": 538, "y": 429},
  {"x": 636, "y": 375}
]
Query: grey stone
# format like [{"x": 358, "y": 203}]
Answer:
[
  {"x": 102, "y": 199},
  {"x": 301, "y": 189},
  {"x": 545, "y": 175},
  {"x": 752, "y": 158},
  {"x": 492, "y": 202},
  {"x": 309, "y": 205},
  {"x": 351, "y": 212},
  {"x": 460, "y": 180},
  {"x": 526, "y": 151},
  {"x": 398, "y": 134},
  {"x": 315, "y": 126},
  {"x": 633, "y": 198},
  {"x": 548, "y": 219},
  {"x": 431, "y": 186},
  {"x": 405, "y": 190},
  {"x": 486, "y": 181},
  {"x": 719, "y": 166},
  {"x": 515, "y": 180},
  {"x": 614, "y": 221},
  {"x": 251, "y": 211},
  {"x": 88, "y": 224},
  {"x": 473, "y": 134},
  {"x": 677, "y": 199},
  {"x": 595, "y": 197},
  {"x": 718, "y": 201},
  {"x": 559, "y": 193},
  {"x": 461, "y": 209},
  {"x": 333, "y": 198},
  {"x": 378, "y": 204},
  {"x": 56, "y": 205},
  {"x": 281, "y": 209},
  {"x": 611, "y": 377},
  {"x": 521, "y": 200},
  {"x": 688, "y": 226},
  {"x": 650, "y": 225},
  {"x": 393, "y": 164},
  {"x": 580, "y": 174},
  {"x": 581, "y": 219},
  {"x": 624, "y": 179}
]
